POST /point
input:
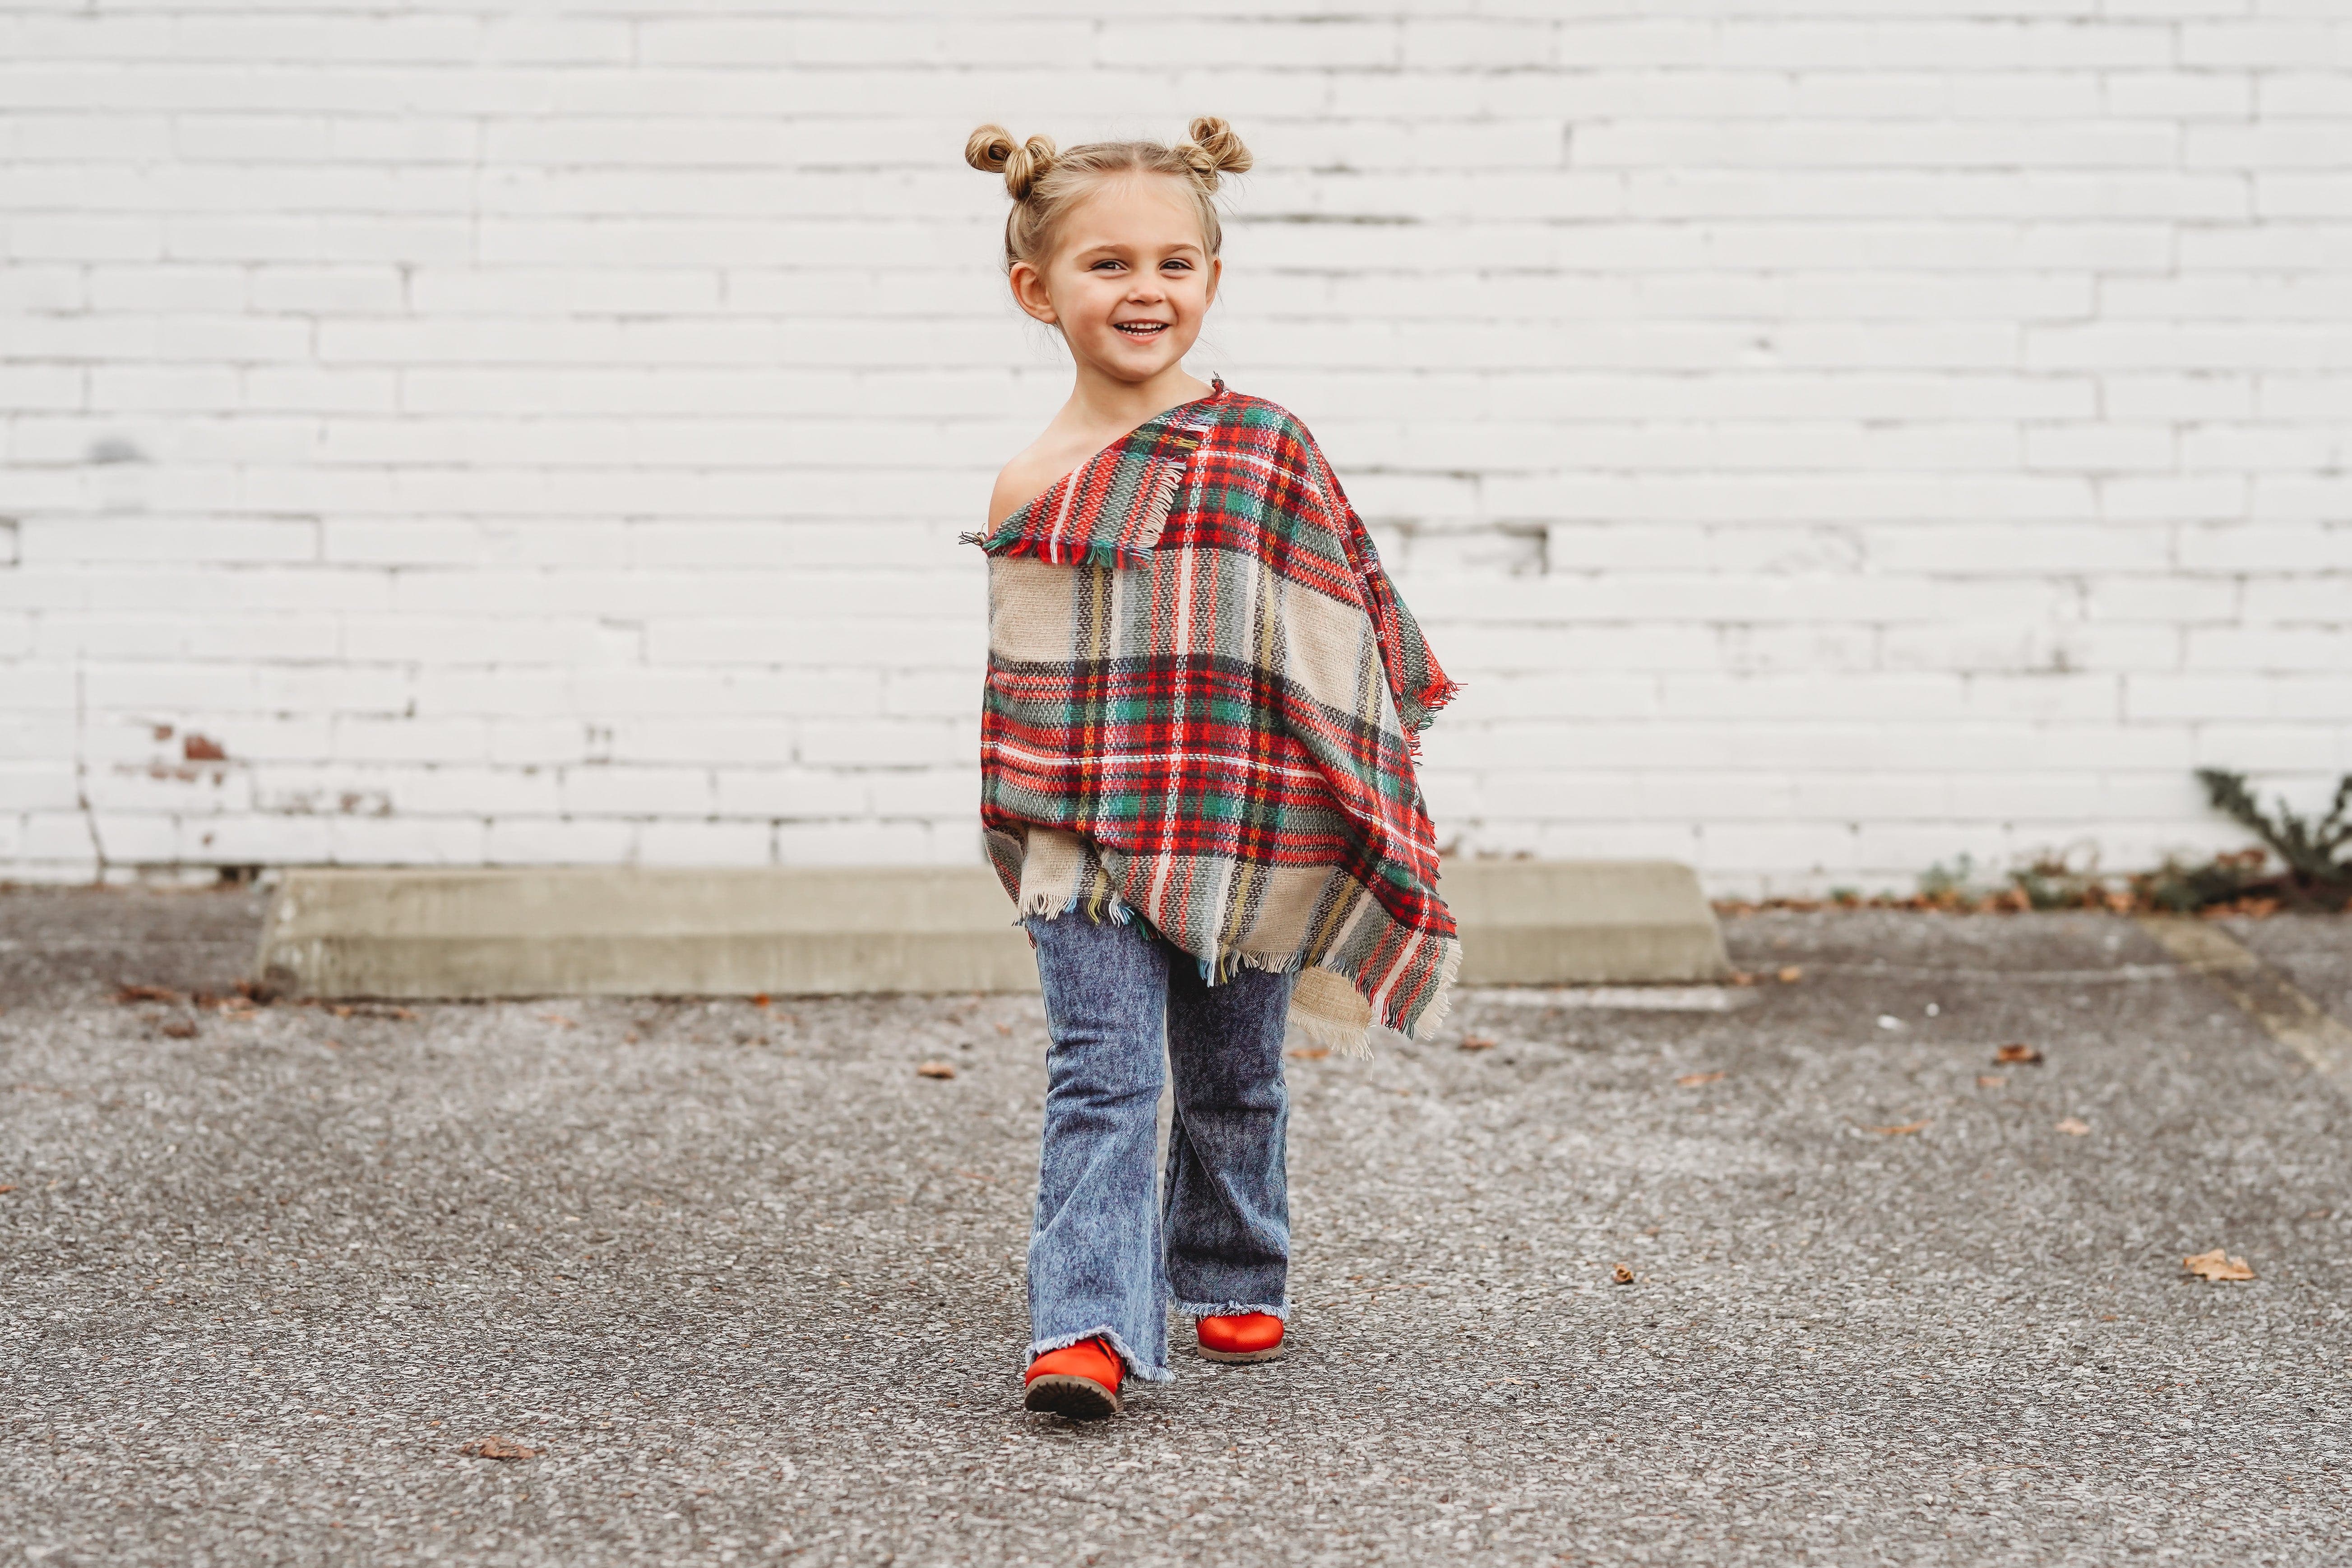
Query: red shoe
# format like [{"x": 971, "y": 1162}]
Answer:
[
  {"x": 1243, "y": 1336},
  {"x": 1080, "y": 1381}
]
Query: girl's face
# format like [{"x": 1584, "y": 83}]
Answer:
[{"x": 1128, "y": 282}]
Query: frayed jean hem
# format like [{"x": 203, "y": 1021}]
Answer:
[
  {"x": 1199, "y": 1309},
  {"x": 1133, "y": 1362}
]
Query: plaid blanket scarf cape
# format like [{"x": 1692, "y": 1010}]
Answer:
[{"x": 1203, "y": 694}]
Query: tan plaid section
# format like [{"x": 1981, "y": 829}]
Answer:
[{"x": 1030, "y": 609}]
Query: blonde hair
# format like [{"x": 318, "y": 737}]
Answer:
[{"x": 1046, "y": 183}]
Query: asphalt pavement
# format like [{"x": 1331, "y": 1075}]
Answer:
[{"x": 735, "y": 1283}]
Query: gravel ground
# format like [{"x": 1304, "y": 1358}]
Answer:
[{"x": 749, "y": 1287}]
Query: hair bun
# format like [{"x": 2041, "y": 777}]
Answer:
[
  {"x": 1213, "y": 150},
  {"x": 987, "y": 148},
  {"x": 992, "y": 150}
]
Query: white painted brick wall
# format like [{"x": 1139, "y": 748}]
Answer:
[{"x": 1827, "y": 436}]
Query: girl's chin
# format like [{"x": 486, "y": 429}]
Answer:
[
  {"x": 1132, "y": 356},
  {"x": 1146, "y": 344}
]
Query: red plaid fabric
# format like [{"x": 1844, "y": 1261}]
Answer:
[{"x": 1203, "y": 688}]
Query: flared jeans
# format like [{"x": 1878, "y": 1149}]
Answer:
[{"x": 1126, "y": 1010}]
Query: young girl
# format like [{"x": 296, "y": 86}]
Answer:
[{"x": 1196, "y": 774}]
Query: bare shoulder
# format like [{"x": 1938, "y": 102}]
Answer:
[
  {"x": 1032, "y": 472},
  {"x": 1019, "y": 479}
]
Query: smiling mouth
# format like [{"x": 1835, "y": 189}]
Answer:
[{"x": 1142, "y": 331}]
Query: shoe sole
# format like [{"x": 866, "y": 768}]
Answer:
[
  {"x": 1272, "y": 1353},
  {"x": 1077, "y": 1399}
]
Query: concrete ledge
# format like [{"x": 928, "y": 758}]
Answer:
[
  {"x": 1582, "y": 922},
  {"x": 802, "y": 930}
]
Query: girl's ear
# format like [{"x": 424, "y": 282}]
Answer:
[
  {"x": 1029, "y": 293},
  {"x": 1216, "y": 273}
]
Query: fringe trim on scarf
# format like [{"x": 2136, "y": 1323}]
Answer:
[
  {"x": 1443, "y": 1003},
  {"x": 1063, "y": 552},
  {"x": 1351, "y": 1041},
  {"x": 1102, "y": 906},
  {"x": 1232, "y": 960},
  {"x": 1429, "y": 702},
  {"x": 1352, "y": 1037}
]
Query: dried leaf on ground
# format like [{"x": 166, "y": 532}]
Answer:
[
  {"x": 1693, "y": 1079},
  {"x": 1477, "y": 1042},
  {"x": 2217, "y": 1265},
  {"x": 1991, "y": 1079},
  {"x": 129, "y": 993},
  {"x": 1899, "y": 1129},
  {"x": 1741, "y": 977},
  {"x": 934, "y": 1069},
  {"x": 2074, "y": 1126},
  {"x": 1623, "y": 1276},
  {"x": 179, "y": 1029},
  {"x": 1311, "y": 1053},
  {"x": 498, "y": 1448},
  {"x": 2027, "y": 1054},
  {"x": 761, "y": 1000},
  {"x": 1791, "y": 972}
]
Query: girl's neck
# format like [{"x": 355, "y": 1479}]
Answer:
[{"x": 1099, "y": 402}]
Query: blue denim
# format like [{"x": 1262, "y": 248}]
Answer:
[{"x": 1105, "y": 1257}]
